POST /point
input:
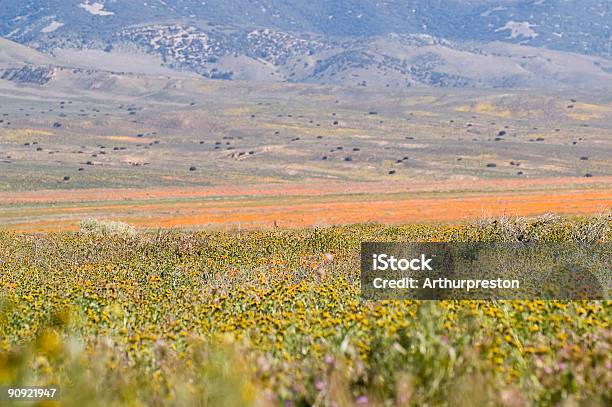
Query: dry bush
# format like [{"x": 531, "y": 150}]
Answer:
[
  {"x": 547, "y": 227},
  {"x": 107, "y": 228}
]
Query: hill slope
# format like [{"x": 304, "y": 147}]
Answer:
[
  {"x": 13, "y": 53},
  {"x": 581, "y": 26},
  {"x": 459, "y": 43}
]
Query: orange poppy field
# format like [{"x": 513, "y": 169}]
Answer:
[{"x": 315, "y": 203}]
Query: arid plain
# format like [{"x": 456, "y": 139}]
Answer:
[{"x": 161, "y": 151}]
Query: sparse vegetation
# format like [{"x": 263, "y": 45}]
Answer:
[{"x": 283, "y": 142}]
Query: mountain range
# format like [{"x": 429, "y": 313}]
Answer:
[{"x": 454, "y": 43}]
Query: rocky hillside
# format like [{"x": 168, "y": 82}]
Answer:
[{"x": 459, "y": 43}]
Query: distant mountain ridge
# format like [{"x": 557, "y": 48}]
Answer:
[{"x": 354, "y": 42}]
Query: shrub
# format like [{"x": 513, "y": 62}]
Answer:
[{"x": 107, "y": 228}]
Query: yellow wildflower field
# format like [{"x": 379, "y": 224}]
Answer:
[{"x": 274, "y": 317}]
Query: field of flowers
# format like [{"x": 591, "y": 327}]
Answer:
[{"x": 275, "y": 318}]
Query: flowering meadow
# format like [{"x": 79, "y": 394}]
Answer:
[{"x": 210, "y": 318}]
